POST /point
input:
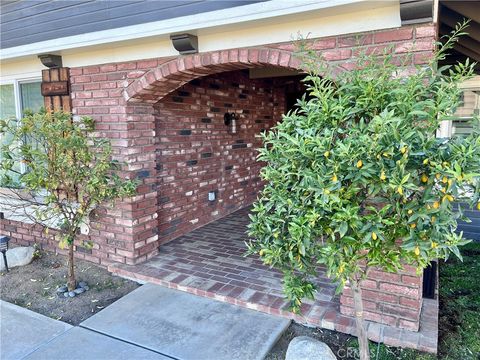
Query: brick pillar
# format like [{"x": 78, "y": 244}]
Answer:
[
  {"x": 56, "y": 89},
  {"x": 391, "y": 299}
]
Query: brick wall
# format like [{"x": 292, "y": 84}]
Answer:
[
  {"x": 26, "y": 234},
  {"x": 196, "y": 153},
  {"x": 391, "y": 299}
]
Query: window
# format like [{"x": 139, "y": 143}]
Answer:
[
  {"x": 461, "y": 123},
  {"x": 15, "y": 98}
]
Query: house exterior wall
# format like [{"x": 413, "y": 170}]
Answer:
[{"x": 121, "y": 97}]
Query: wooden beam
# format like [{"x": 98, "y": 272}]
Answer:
[
  {"x": 469, "y": 9},
  {"x": 467, "y": 52},
  {"x": 452, "y": 18},
  {"x": 466, "y": 46}
]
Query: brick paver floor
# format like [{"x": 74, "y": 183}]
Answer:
[{"x": 211, "y": 262}]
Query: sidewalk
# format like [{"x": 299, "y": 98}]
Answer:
[
  {"x": 151, "y": 322},
  {"x": 25, "y": 334}
]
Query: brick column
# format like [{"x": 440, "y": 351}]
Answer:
[{"x": 391, "y": 299}]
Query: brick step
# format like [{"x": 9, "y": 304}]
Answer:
[{"x": 328, "y": 317}]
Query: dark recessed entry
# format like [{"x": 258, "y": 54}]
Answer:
[{"x": 430, "y": 280}]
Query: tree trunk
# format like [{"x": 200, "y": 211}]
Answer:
[
  {"x": 361, "y": 331},
  {"x": 72, "y": 283}
]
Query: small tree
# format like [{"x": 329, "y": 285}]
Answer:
[
  {"x": 67, "y": 173},
  {"x": 355, "y": 177}
]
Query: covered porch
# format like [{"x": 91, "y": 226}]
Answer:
[{"x": 210, "y": 261}]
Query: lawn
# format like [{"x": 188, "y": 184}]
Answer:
[{"x": 459, "y": 320}]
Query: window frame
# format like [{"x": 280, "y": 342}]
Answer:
[
  {"x": 446, "y": 126},
  {"x": 17, "y": 97}
]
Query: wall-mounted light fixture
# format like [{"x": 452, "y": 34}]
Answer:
[
  {"x": 185, "y": 43},
  {"x": 51, "y": 61},
  {"x": 230, "y": 120}
]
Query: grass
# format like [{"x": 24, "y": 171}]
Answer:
[{"x": 459, "y": 323}]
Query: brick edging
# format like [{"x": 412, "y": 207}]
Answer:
[{"x": 425, "y": 339}]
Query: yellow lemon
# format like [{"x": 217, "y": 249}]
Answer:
[
  {"x": 424, "y": 178},
  {"x": 434, "y": 245},
  {"x": 403, "y": 150},
  {"x": 417, "y": 251},
  {"x": 413, "y": 226},
  {"x": 436, "y": 205},
  {"x": 359, "y": 164},
  {"x": 450, "y": 198},
  {"x": 334, "y": 177},
  {"x": 400, "y": 190},
  {"x": 326, "y": 154},
  {"x": 374, "y": 236},
  {"x": 445, "y": 180},
  {"x": 478, "y": 206},
  {"x": 261, "y": 252},
  {"x": 425, "y": 162},
  {"x": 410, "y": 212},
  {"x": 341, "y": 268},
  {"x": 382, "y": 176}
]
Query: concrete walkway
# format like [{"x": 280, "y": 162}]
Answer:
[
  {"x": 188, "y": 327},
  {"x": 25, "y": 334},
  {"x": 151, "y": 322}
]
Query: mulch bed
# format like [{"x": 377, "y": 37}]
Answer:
[{"x": 34, "y": 287}]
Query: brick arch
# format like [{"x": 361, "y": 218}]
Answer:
[{"x": 169, "y": 76}]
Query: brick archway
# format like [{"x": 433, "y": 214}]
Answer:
[{"x": 169, "y": 76}]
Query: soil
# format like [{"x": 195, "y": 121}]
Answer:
[
  {"x": 34, "y": 287},
  {"x": 341, "y": 344}
]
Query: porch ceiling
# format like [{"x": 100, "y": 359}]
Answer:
[{"x": 452, "y": 13}]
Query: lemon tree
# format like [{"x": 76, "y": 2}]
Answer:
[
  {"x": 68, "y": 173},
  {"x": 356, "y": 178}
]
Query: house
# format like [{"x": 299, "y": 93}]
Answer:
[{"x": 182, "y": 89}]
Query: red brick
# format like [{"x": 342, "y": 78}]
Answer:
[
  {"x": 384, "y": 276},
  {"x": 401, "y": 290},
  {"x": 425, "y": 31},
  {"x": 407, "y": 324},
  {"x": 337, "y": 54},
  {"x": 419, "y": 45},
  {"x": 359, "y": 40},
  {"x": 393, "y": 35}
]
